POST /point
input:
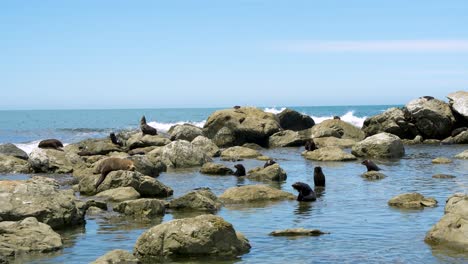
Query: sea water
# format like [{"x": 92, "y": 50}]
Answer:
[{"x": 363, "y": 228}]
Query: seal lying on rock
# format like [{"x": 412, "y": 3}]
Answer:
[
  {"x": 112, "y": 164},
  {"x": 319, "y": 177},
  {"x": 370, "y": 165},
  {"x": 51, "y": 144},
  {"x": 115, "y": 140},
  {"x": 336, "y": 118},
  {"x": 147, "y": 129},
  {"x": 306, "y": 194},
  {"x": 310, "y": 145},
  {"x": 269, "y": 163},
  {"x": 240, "y": 170}
]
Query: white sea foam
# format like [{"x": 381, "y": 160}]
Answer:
[
  {"x": 348, "y": 117},
  {"x": 28, "y": 147},
  {"x": 164, "y": 127},
  {"x": 274, "y": 110}
]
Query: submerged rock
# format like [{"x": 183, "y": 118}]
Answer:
[
  {"x": 142, "y": 207},
  {"x": 373, "y": 175},
  {"x": 271, "y": 173},
  {"x": 443, "y": 176},
  {"x": 295, "y": 121},
  {"x": 412, "y": 201},
  {"x": 463, "y": 155},
  {"x": 27, "y": 236},
  {"x": 254, "y": 193},
  {"x": 328, "y": 154},
  {"x": 382, "y": 145},
  {"x": 117, "y": 256},
  {"x": 205, "y": 235},
  {"x": 441, "y": 160},
  {"x": 452, "y": 229},
  {"x": 9, "y": 149},
  {"x": 298, "y": 232},
  {"x": 183, "y": 154},
  {"x": 215, "y": 169},
  {"x": 202, "y": 199}
]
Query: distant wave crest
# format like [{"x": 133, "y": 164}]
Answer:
[
  {"x": 164, "y": 127},
  {"x": 28, "y": 147}
]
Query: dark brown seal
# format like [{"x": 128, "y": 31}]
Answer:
[
  {"x": 269, "y": 163},
  {"x": 236, "y": 107},
  {"x": 306, "y": 194},
  {"x": 319, "y": 177},
  {"x": 240, "y": 170},
  {"x": 147, "y": 129},
  {"x": 115, "y": 140},
  {"x": 336, "y": 117},
  {"x": 310, "y": 145},
  {"x": 112, "y": 164},
  {"x": 51, "y": 144},
  {"x": 370, "y": 165}
]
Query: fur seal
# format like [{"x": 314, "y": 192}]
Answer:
[
  {"x": 427, "y": 97},
  {"x": 115, "y": 140},
  {"x": 269, "y": 163},
  {"x": 147, "y": 129},
  {"x": 319, "y": 177},
  {"x": 236, "y": 107},
  {"x": 310, "y": 145},
  {"x": 51, "y": 144},
  {"x": 306, "y": 194},
  {"x": 336, "y": 117},
  {"x": 240, "y": 170},
  {"x": 370, "y": 165},
  {"x": 112, "y": 164}
]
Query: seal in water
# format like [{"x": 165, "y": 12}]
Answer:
[
  {"x": 240, "y": 170},
  {"x": 51, "y": 144},
  {"x": 147, "y": 129},
  {"x": 310, "y": 145},
  {"x": 370, "y": 165},
  {"x": 319, "y": 177},
  {"x": 112, "y": 164},
  {"x": 306, "y": 194}
]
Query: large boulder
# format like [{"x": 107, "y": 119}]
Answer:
[
  {"x": 119, "y": 194},
  {"x": 183, "y": 154},
  {"x": 293, "y": 120},
  {"x": 463, "y": 155},
  {"x": 51, "y": 160},
  {"x": 254, "y": 193},
  {"x": 452, "y": 229},
  {"x": 185, "y": 132},
  {"x": 42, "y": 198},
  {"x": 205, "y": 235},
  {"x": 393, "y": 121},
  {"x": 238, "y": 152},
  {"x": 382, "y": 145},
  {"x": 142, "y": 207},
  {"x": 459, "y": 103},
  {"x": 206, "y": 145},
  {"x": 117, "y": 256},
  {"x": 335, "y": 128},
  {"x": 90, "y": 147},
  {"x": 234, "y": 127},
  {"x": 202, "y": 199},
  {"x": 27, "y": 236},
  {"x": 146, "y": 186},
  {"x": 412, "y": 201},
  {"x": 10, "y": 164},
  {"x": 328, "y": 154},
  {"x": 271, "y": 173},
  {"x": 433, "y": 118},
  {"x": 334, "y": 142},
  {"x": 286, "y": 138},
  {"x": 139, "y": 140},
  {"x": 215, "y": 169},
  {"x": 9, "y": 149},
  {"x": 147, "y": 166}
]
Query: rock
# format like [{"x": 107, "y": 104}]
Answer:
[
  {"x": 92, "y": 147},
  {"x": 441, "y": 160},
  {"x": 298, "y": 232},
  {"x": 433, "y": 118},
  {"x": 373, "y": 175},
  {"x": 185, "y": 132},
  {"x": 139, "y": 140},
  {"x": 142, "y": 207},
  {"x": 328, "y": 154},
  {"x": 93, "y": 211},
  {"x": 270, "y": 173},
  {"x": 431, "y": 141},
  {"x": 182, "y": 154},
  {"x": 119, "y": 194},
  {"x": 452, "y": 229},
  {"x": 50, "y": 161},
  {"x": 463, "y": 155},
  {"x": 117, "y": 256},
  {"x": 295, "y": 121},
  {"x": 263, "y": 158},
  {"x": 336, "y": 128},
  {"x": 10, "y": 164},
  {"x": 99, "y": 204},
  {"x": 141, "y": 151},
  {"x": 252, "y": 146},
  {"x": 202, "y": 199},
  {"x": 393, "y": 121},
  {"x": 459, "y": 103},
  {"x": 254, "y": 193},
  {"x": 443, "y": 176},
  {"x": 285, "y": 138},
  {"x": 234, "y": 127},
  {"x": 9, "y": 149},
  {"x": 334, "y": 142},
  {"x": 146, "y": 186},
  {"x": 207, "y": 146},
  {"x": 412, "y": 201},
  {"x": 148, "y": 167},
  {"x": 27, "y": 236},
  {"x": 40, "y": 197},
  {"x": 205, "y": 235},
  {"x": 240, "y": 153},
  {"x": 215, "y": 169},
  {"x": 382, "y": 145},
  {"x": 461, "y": 138}
]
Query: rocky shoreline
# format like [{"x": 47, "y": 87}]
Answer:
[{"x": 235, "y": 134}]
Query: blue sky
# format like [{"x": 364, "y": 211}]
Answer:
[{"x": 159, "y": 54}]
